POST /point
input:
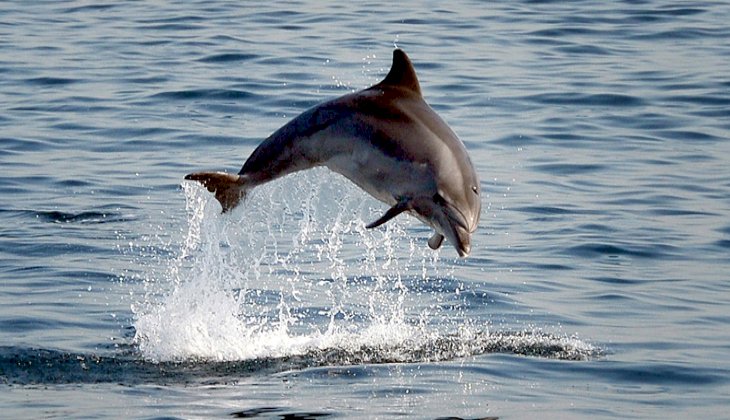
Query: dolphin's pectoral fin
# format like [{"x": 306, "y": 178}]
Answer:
[
  {"x": 399, "y": 208},
  {"x": 228, "y": 188},
  {"x": 435, "y": 241}
]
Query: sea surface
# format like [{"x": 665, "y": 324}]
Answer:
[{"x": 599, "y": 281}]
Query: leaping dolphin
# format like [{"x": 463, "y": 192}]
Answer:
[{"x": 388, "y": 141}]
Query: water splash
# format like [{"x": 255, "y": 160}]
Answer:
[{"x": 293, "y": 273}]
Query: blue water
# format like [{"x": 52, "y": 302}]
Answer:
[{"x": 598, "y": 284}]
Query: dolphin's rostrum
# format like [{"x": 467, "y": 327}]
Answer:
[{"x": 385, "y": 139}]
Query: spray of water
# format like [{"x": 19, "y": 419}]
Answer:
[{"x": 293, "y": 272}]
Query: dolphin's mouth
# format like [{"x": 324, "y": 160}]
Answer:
[
  {"x": 459, "y": 229},
  {"x": 463, "y": 242}
]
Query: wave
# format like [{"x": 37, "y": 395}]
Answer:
[
  {"x": 36, "y": 366},
  {"x": 205, "y": 94},
  {"x": 84, "y": 217}
]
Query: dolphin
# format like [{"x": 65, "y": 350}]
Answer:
[{"x": 388, "y": 141}]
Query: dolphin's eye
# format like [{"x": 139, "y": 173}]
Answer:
[
  {"x": 475, "y": 189},
  {"x": 438, "y": 199}
]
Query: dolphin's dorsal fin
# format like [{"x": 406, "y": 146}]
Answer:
[{"x": 402, "y": 73}]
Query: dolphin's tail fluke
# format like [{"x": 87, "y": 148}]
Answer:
[{"x": 228, "y": 188}]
